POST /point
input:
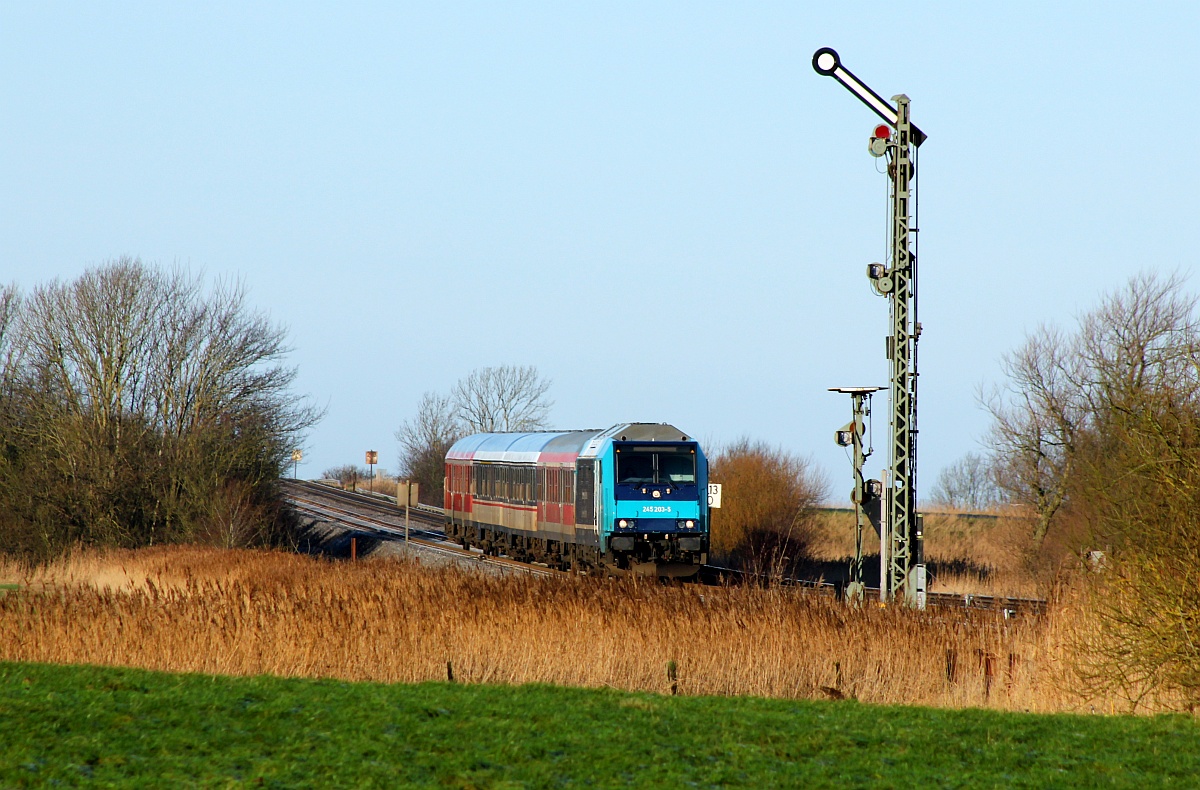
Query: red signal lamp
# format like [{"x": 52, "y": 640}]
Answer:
[{"x": 882, "y": 132}]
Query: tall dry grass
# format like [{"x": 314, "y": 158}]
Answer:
[
  {"x": 240, "y": 612},
  {"x": 965, "y": 553}
]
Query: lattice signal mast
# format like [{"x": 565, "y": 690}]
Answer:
[{"x": 905, "y": 573}]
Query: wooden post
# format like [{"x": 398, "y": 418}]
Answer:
[{"x": 353, "y": 549}]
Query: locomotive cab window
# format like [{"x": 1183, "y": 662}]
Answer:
[{"x": 640, "y": 465}]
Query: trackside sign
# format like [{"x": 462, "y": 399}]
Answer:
[{"x": 714, "y": 494}]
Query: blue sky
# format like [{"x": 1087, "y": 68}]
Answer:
[{"x": 660, "y": 205}]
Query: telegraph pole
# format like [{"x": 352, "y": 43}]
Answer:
[{"x": 897, "y": 140}]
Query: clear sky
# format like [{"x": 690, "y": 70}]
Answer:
[{"x": 660, "y": 205}]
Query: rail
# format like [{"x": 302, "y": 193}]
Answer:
[
  {"x": 1008, "y": 605},
  {"x": 431, "y": 534},
  {"x": 312, "y": 499}
]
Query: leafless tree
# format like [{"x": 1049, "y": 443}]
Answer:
[
  {"x": 143, "y": 399},
  {"x": 1104, "y": 425},
  {"x": 10, "y": 306},
  {"x": 967, "y": 484},
  {"x": 505, "y": 398},
  {"x": 1065, "y": 393},
  {"x": 1036, "y": 419},
  {"x": 348, "y": 475},
  {"x": 424, "y": 441}
]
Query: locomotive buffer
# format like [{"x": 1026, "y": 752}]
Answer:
[{"x": 897, "y": 139}]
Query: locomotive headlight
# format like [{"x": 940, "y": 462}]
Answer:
[
  {"x": 689, "y": 524},
  {"x": 622, "y": 523}
]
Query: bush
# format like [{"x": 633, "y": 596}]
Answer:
[
  {"x": 768, "y": 496},
  {"x": 139, "y": 408}
]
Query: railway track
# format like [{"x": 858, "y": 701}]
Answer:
[
  {"x": 378, "y": 514},
  {"x": 1009, "y": 606}
]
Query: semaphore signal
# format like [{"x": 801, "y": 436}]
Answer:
[{"x": 902, "y": 552}]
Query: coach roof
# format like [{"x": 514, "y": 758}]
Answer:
[{"x": 552, "y": 446}]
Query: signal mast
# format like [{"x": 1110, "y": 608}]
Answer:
[{"x": 901, "y": 535}]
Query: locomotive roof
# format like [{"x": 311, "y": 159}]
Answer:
[{"x": 554, "y": 446}]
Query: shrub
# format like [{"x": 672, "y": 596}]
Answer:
[{"x": 767, "y": 501}]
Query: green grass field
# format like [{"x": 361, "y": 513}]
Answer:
[{"x": 67, "y": 726}]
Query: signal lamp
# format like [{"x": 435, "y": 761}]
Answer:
[
  {"x": 843, "y": 438},
  {"x": 876, "y": 271},
  {"x": 882, "y": 132}
]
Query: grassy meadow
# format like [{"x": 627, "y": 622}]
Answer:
[
  {"x": 73, "y": 726},
  {"x": 249, "y": 613}
]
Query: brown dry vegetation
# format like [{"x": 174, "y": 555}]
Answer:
[
  {"x": 984, "y": 554},
  {"x": 243, "y": 612}
]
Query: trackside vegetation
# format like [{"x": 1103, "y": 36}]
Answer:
[
  {"x": 74, "y": 725},
  {"x": 139, "y": 406}
]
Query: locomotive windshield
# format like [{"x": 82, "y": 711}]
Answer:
[{"x": 656, "y": 466}]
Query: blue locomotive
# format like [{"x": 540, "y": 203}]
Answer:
[{"x": 630, "y": 499}]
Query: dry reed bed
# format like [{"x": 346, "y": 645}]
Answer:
[
  {"x": 246, "y": 613},
  {"x": 967, "y": 554}
]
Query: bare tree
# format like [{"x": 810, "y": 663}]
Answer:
[
  {"x": 1104, "y": 426},
  {"x": 146, "y": 408},
  {"x": 1064, "y": 393},
  {"x": 10, "y": 307},
  {"x": 424, "y": 441},
  {"x": 967, "y": 484},
  {"x": 347, "y": 475},
  {"x": 505, "y": 398},
  {"x": 1036, "y": 419}
]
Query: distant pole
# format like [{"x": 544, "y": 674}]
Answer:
[{"x": 297, "y": 457}]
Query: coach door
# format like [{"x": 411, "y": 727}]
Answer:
[{"x": 585, "y": 493}]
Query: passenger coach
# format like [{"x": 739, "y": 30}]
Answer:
[{"x": 631, "y": 499}]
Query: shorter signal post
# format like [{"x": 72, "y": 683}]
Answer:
[
  {"x": 865, "y": 492},
  {"x": 407, "y": 494}
]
